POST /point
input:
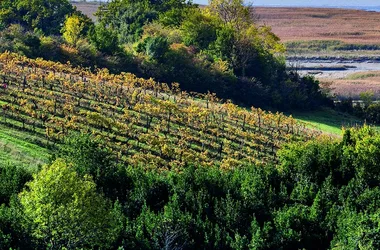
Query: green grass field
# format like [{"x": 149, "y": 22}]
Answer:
[
  {"x": 17, "y": 148},
  {"x": 327, "y": 120}
]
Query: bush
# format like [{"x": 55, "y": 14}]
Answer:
[
  {"x": 154, "y": 47},
  {"x": 104, "y": 39},
  {"x": 12, "y": 181},
  {"x": 372, "y": 113},
  {"x": 17, "y": 39}
]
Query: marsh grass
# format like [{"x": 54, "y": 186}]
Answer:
[
  {"x": 327, "y": 45},
  {"x": 363, "y": 75},
  {"x": 352, "y": 27}
]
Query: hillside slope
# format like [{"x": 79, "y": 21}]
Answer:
[{"x": 142, "y": 121}]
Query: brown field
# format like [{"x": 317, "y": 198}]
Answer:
[
  {"x": 88, "y": 9},
  {"x": 348, "y": 89},
  {"x": 350, "y": 26},
  {"x": 357, "y": 83}
]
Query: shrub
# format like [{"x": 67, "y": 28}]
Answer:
[{"x": 372, "y": 113}]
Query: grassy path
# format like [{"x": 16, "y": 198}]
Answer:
[
  {"x": 327, "y": 120},
  {"x": 17, "y": 148}
]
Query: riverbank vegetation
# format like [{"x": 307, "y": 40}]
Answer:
[{"x": 309, "y": 47}]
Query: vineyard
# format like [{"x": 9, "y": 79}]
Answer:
[{"x": 143, "y": 122}]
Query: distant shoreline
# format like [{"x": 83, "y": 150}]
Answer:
[{"x": 365, "y": 8}]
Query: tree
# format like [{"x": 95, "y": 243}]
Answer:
[
  {"x": 238, "y": 38},
  {"x": 105, "y": 39},
  {"x": 42, "y": 15},
  {"x": 357, "y": 231},
  {"x": 372, "y": 113},
  {"x": 72, "y": 29},
  {"x": 90, "y": 158},
  {"x": 198, "y": 29},
  {"x": 63, "y": 210},
  {"x": 16, "y": 38},
  {"x": 12, "y": 180},
  {"x": 8, "y": 12},
  {"x": 367, "y": 97},
  {"x": 232, "y": 12},
  {"x": 154, "y": 47},
  {"x": 75, "y": 27},
  {"x": 12, "y": 234},
  {"x": 127, "y": 17}
]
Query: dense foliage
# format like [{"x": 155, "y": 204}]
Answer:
[
  {"x": 322, "y": 194},
  {"x": 39, "y": 15},
  {"x": 219, "y": 48},
  {"x": 366, "y": 108}
]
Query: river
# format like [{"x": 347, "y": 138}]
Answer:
[{"x": 332, "y": 69}]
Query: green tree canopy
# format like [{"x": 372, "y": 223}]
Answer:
[
  {"x": 127, "y": 17},
  {"x": 241, "y": 41},
  {"x": 43, "y": 15},
  {"x": 105, "y": 39},
  {"x": 198, "y": 29},
  {"x": 12, "y": 180},
  {"x": 63, "y": 210}
]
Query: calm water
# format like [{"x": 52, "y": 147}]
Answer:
[{"x": 352, "y": 67}]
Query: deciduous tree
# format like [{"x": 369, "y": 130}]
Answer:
[
  {"x": 42, "y": 15},
  {"x": 75, "y": 27},
  {"x": 63, "y": 210}
]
